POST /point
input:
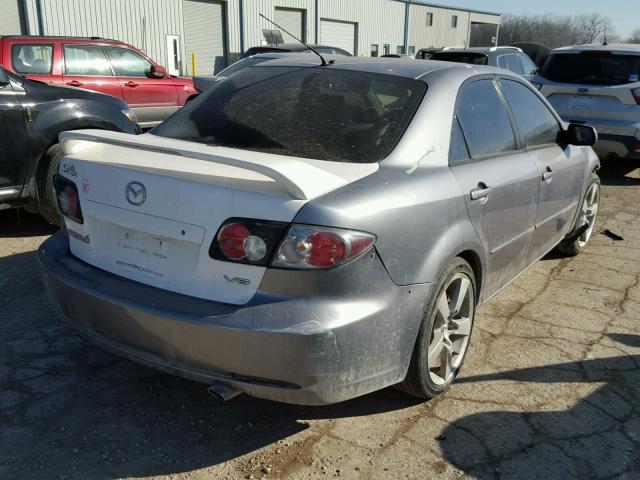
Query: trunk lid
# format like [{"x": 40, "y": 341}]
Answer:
[{"x": 152, "y": 206}]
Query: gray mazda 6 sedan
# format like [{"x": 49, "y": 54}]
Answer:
[{"x": 310, "y": 233}]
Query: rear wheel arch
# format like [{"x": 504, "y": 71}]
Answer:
[{"x": 473, "y": 259}]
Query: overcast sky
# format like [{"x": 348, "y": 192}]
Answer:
[{"x": 623, "y": 13}]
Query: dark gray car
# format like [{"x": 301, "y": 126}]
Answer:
[{"x": 310, "y": 233}]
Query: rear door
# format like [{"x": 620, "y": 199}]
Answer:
[
  {"x": 500, "y": 182},
  {"x": 86, "y": 66},
  {"x": 153, "y": 99},
  {"x": 560, "y": 167},
  {"x": 13, "y": 138}
]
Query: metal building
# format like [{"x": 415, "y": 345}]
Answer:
[{"x": 218, "y": 31}]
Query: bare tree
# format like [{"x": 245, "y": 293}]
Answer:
[
  {"x": 635, "y": 36},
  {"x": 593, "y": 27}
]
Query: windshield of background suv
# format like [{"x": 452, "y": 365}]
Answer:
[
  {"x": 315, "y": 112},
  {"x": 461, "y": 57},
  {"x": 592, "y": 68}
]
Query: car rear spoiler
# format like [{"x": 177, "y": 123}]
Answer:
[{"x": 303, "y": 179}]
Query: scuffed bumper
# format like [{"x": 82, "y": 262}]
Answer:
[{"x": 306, "y": 338}]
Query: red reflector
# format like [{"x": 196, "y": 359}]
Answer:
[
  {"x": 636, "y": 147},
  {"x": 231, "y": 240},
  {"x": 327, "y": 249},
  {"x": 359, "y": 244},
  {"x": 69, "y": 202}
]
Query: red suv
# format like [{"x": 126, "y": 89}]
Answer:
[{"x": 106, "y": 66}]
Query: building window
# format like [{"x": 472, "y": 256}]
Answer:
[
  {"x": 386, "y": 49},
  {"x": 429, "y": 19},
  {"x": 374, "y": 50},
  {"x": 400, "y": 50},
  {"x": 454, "y": 21},
  {"x": 412, "y": 50}
]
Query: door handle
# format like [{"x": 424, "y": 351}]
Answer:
[
  {"x": 132, "y": 84},
  {"x": 74, "y": 83},
  {"x": 481, "y": 192},
  {"x": 547, "y": 175}
]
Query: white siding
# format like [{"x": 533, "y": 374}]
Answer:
[
  {"x": 339, "y": 34},
  {"x": 254, "y": 24},
  {"x": 9, "y": 17},
  {"x": 441, "y": 34}
]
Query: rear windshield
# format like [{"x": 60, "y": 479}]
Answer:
[
  {"x": 461, "y": 57},
  {"x": 592, "y": 68},
  {"x": 319, "y": 113}
]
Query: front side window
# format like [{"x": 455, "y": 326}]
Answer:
[
  {"x": 537, "y": 125},
  {"x": 31, "y": 58},
  {"x": 86, "y": 60},
  {"x": 374, "y": 50},
  {"x": 127, "y": 63},
  {"x": 319, "y": 113},
  {"x": 484, "y": 120}
]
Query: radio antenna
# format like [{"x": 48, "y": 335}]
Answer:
[{"x": 324, "y": 62}]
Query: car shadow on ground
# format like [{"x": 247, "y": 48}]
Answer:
[
  {"x": 598, "y": 437},
  {"x": 20, "y": 223},
  {"x": 620, "y": 172},
  {"x": 71, "y": 410}
]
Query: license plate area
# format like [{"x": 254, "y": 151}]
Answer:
[
  {"x": 148, "y": 255},
  {"x": 581, "y": 102}
]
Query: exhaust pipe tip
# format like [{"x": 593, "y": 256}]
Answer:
[{"x": 223, "y": 392}]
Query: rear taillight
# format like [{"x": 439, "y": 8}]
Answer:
[
  {"x": 636, "y": 94},
  {"x": 68, "y": 199},
  {"x": 308, "y": 247},
  {"x": 261, "y": 243},
  {"x": 247, "y": 241}
]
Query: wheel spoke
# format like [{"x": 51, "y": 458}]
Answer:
[
  {"x": 435, "y": 348},
  {"x": 460, "y": 326},
  {"x": 459, "y": 295},
  {"x": 446, "y": 361},
  {"x": 443, "y": 306}
]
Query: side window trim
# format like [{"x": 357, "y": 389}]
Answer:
[
  {"x": 521, "y": 144},
  {"x": 516, "y": 133},
  {"x": 100, "y": 47}
]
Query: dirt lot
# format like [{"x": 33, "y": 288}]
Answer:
[{"x": 551, "y": 388}]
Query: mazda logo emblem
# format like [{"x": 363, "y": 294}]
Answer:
[{"x": 136, "y": 193}]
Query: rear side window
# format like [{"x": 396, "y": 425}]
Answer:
[
  {"x": 461, "y": 57},
  {"x": 511, "y": 62},
  {"x": 592, "y": 68},
  {"x": 484, "y": 120},
  {"x": 86, "y": 60},
  {"x": 31, "y": 58},
  {"x": 536, "y": 123},
  {"x": 458, "y": 151},
  {"x": 319, "y": 113},
  {"x": 127, "y": 63},
  {"x": 530, "y": 68}
]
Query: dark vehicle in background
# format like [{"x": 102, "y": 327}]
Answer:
[
  {"x": 536, "y": 51},
  {"x": 427, "y": 53},
  {"x": 509, "y": 58},
  {"x": 106, "y": 66},
  {"x": 295, "y": 48},
  {"x": 203, "y": 83},
  {"x": 32, "y": 114},
  {"x": 598, "y": 85}
]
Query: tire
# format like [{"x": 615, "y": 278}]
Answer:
[
  {"x": 47, "y": 202},
  {"x": 588, "y": 214},
  {"x": 428, "y": 377}
]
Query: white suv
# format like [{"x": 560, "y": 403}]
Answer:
[{"x": 598, "y": 85}]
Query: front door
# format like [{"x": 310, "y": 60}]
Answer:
[
  {"x": 152, "y": 98},
  {"x": 13, "y": 139},
  {"x": 174, "y": 59},
  {"x": 500, "y": 182},
  {"x": 560, "y": 174}
]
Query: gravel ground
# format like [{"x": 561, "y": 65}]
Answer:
[{"x": 551, "y": 387}]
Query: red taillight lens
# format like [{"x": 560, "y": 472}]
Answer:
[
  {"x": 248, "y": 241},
  {"x": 68, "y": 199},
  {"x": 636, "y": 94},
  {"x": 307, "y": 247}
]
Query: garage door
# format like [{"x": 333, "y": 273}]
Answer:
[
  {"x": 339, "y": 34},
  {"x": 292, "y": 20},
  {"x": 204, "y": 35}
]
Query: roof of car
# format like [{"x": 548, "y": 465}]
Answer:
[
  {"x": 64, "y": 37},
  {"x": 402, "y": 67},
  {"x": 595, "y": 47}
]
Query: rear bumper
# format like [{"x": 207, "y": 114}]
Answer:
[
  {"x": 621, "y": 145},
  {"x": 321, "y": 344}
]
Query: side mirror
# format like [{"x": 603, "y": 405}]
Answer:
[
  {"x": 580, "y": 135},
  {"x": 157, "y": 71}
]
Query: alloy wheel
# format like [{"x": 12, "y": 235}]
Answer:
[{"x": 589, "y": 213}]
